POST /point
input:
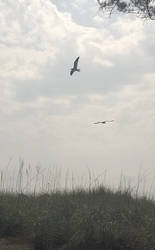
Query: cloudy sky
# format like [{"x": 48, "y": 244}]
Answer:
[{"x": 46, "y": 116}]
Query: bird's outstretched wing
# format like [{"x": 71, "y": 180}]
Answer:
[
  {"x": 72, "y": 71},
  {"x": 99, "y": 122},
  {"x": 103, "y": 122},
  {"x": 76, "y": 62},
  {"x": 110, "y": 121}
]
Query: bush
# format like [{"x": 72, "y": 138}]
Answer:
[{"x": 98, "y": 219}]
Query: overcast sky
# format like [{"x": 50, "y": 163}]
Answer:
[{"x": 47, "y": 116}]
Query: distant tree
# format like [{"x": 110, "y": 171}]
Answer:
[{"x": 143, "y": 8}]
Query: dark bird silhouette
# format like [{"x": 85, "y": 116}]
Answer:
[
  {"x": 103, "y": 122},
  {"x": 75, "y": 66}
]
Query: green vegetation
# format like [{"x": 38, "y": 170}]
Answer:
[{"x": 96, "y": 219}]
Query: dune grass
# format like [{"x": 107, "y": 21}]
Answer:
[
  {"x": 37, "y": 209},
  {"x": 96, "y": 219}
]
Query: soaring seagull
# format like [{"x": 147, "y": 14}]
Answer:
[
  {"x": 103, "y": 122},
  {"x": 75, "y": 66}
]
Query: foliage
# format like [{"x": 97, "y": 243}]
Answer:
[
  {"x": 143, "y": 8},
  {"x": 94, "y": 219}
]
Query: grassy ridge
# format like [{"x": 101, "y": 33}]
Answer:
[{"x": 98, "y": 219}]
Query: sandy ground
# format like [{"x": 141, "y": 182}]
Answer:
[{"x": 15, "y": 244}]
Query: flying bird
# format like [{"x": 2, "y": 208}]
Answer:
[
  {"x": 75, "y": 66},
  {"x": 103, "y": 122}
]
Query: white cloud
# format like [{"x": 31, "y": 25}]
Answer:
[{"x": 37, "y": 27}]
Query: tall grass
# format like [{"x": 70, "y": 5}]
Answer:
[
  {"x": 95, "y": 217},
  {"x": 35, "y": 179}
]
